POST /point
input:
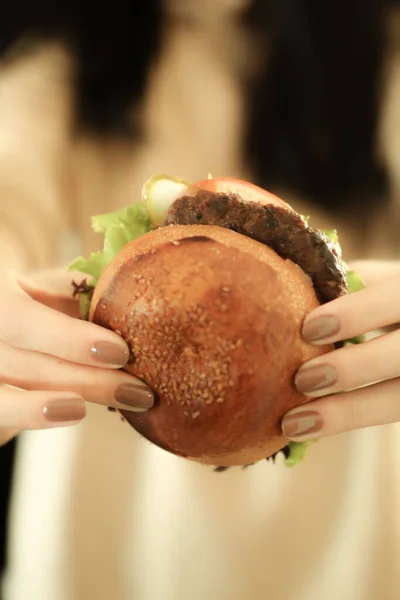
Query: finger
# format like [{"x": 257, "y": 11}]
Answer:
[
  {"x": 366, "y": 407},
  {"x": 29, "y": 325},
  {"x": 53, "y": 281},
  {"x": 101, "y": 386},
  {"x": 53, "y": 288},
  {"x": 374, "y": 307},
  {"x": 351, "y": 367},
  {"x": 373, "y": 271},
  {"x": 39, "y": 410},
  {"x": 6, "y": 435}
]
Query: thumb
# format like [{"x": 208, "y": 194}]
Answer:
[{"x": 53, "y": 288}]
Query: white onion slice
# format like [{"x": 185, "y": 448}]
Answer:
[{"x": 159, "y": 193}]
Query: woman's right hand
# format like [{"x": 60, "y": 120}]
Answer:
[{"x": 54, "y": 361}]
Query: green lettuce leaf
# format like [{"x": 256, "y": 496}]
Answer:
[
  {"x": 332, "y": 234},
  {"x": 355, "y": 284},
  {"x": 118, "y": 228},
  {"x": 354, "y": 280},
  {"x": 297, "y": 452}
]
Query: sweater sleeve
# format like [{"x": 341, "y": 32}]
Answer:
[{"x": 35, "y": 114}]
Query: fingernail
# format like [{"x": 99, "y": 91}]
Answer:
[
  {"x": 110, "y": 354},
  {"x": 320, "y": 328},
  {"x": 72, "y": 409},
  {"x": 311, "y": 379},
  {"x": 304, "y": 423},
  {"x": 136, "y": 397}
]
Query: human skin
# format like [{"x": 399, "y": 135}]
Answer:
[
  {"x": 44, "y": 371},
  {"x": 355, "y": 386},
  {"x": 52, "y": 363}
]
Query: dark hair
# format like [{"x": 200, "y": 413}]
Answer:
[
  {"x": 313, "y": 109},
  {"x": 312, "y": 106},
  {"x": 114, "y": 45}
]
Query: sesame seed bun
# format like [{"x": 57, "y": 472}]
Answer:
[{"x": 213, "y": 319}]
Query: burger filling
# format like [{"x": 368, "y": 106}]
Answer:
[{"x": 286, "y": 232}]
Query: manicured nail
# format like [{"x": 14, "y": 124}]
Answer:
[
  {"x": 320, "y": 328},
  {"x": 136, "y": 397},
  {"x": 312, "y": 379},
  {"x": 300, "y": 424},
  {"x": 58, "y": 411},
  {"x": 110, "y": 354}
]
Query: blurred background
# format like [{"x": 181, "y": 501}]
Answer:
[{"x": 305, "y": 96}]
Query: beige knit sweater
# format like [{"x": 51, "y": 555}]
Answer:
[{"x": 99, "y": 514}]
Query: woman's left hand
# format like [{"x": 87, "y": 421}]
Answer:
[{"x": 358, "y": 385}]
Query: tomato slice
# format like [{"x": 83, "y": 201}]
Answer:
[{"x": 247, "y": 191}]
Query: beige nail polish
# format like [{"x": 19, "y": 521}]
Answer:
[
  {"x": 136, "y": 397},
  {"x": 320, "y": 328},
  {"x": 312, "y": 379},
  {"x": 107, "y": 353},
  {"x": 72, "y": 409},
  {"x": 300, "y": 424}
]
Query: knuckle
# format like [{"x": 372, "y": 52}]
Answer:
[
  {"x": 354, "y": 415},
  {"x": 9, "y": 366},
  {"x": 90, "y": 388},
  {"x": 11, "y": 324},
  {"x": 100, "y": 387},
  {"x": 11, "y": 331}
]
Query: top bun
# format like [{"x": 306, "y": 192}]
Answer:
[{"x": 213, "y": 320}]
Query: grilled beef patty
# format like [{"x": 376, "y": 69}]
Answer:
[{"x": 281, "y": 229}]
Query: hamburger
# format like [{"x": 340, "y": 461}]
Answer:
[{"x": 209, "y": 284}]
